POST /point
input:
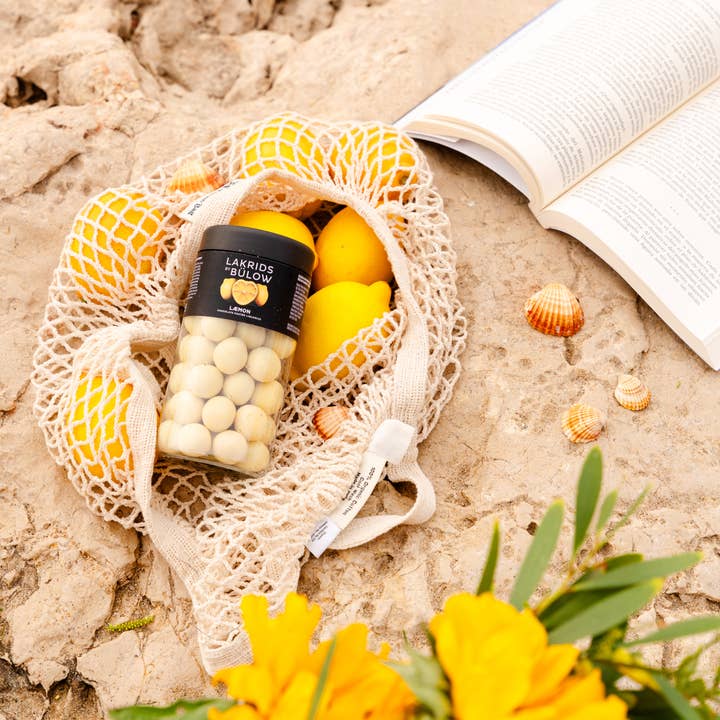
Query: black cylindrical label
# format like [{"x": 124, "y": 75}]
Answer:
[{"x": 248, "y": 288}]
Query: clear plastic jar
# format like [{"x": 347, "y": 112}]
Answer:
[{"x": 238, "y": 335}]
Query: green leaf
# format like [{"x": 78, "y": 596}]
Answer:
[
  {"x": 588, "y": 492},
  {"x": 606, "y": 613},
  {"x": 639, "y": 571},
  {"x": 606, "y": 510},
  {"x": 185, "y": 709},
  {"x": 625, "y": 519},
  {"x": 322, "y": 681},
  {"x": 538, "y": 555},
  {"x": 622, "y": 560},
  {"x": 568, "y": 606},
  {"x": 488, "y": 575},
  {"x": 691, "y": 626},
  {"x": 427, "y": 681},
  {"x": 675, "y": 699}
]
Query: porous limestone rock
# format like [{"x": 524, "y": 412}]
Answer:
[{"x": 137, "y": 84}]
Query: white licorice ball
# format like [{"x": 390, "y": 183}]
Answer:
[
  {"x": 263, "y": 364},
  {"x": 230, "y": 355},
  {"x": 191, "y": 323},
  {"x": 178, "y": 377},
  {"x": 205, "y": 381},
  {"x": 185, "y": 408},
  {"x": 168, "y": 436},
  {"x": 282, "y": 345},
  {"x": 268, "y": 396},
  {"x": 252, "y": 335},
  {"x": 239, "y": 387},
  {"x": 257, "y": 458},
  {"x": 254, "y": 424},
  {"x": 218, "y": 413},
  {"x": 196, "y": 350},
  {"x": 230, "y": 447},
  {"x": 217, "y": 329},
  {"x": 194, "y": 440}
]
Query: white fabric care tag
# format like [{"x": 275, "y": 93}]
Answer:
[
  {"x": 191, "y": 210},
  {"x": 389, "y": 443}
]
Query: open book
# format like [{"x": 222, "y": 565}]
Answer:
[{"x": 606, "y": 115}]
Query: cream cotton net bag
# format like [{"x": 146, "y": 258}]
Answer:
[{"x": 108, "y": 338}]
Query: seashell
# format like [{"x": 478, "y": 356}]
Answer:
[
  {"x": 554, "y": 310},
  {"x": 582, "y": 423},
  {"x": 193, "y": 176},
  {"x": 631, "y": 393},
  {"x": 327, "y": 420}
]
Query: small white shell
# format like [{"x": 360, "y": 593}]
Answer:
[
  {"x": 631, "y": 393},
  {"x": 582, "y": 423}
]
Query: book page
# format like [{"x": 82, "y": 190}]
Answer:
[
  {"x": 656, "y": 207},
  {"x": 579, "y": 84}
]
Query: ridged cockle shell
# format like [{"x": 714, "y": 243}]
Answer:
[
  {"x": 327, "y": 420},
  {"x": 194, "y": 176},
  {"x": 631, "y": 393},
  {"x": 554, "y": 310},
  {"x": 582, "y": 423}
]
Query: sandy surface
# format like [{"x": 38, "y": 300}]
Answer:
[{"x": 109, "y": 89}]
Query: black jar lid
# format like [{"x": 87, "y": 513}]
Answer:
[{"x": 267, "y": 245}]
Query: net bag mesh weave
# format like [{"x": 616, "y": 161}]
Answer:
[{"x": 108, "y": 339}]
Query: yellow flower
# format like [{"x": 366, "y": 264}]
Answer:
[
  {"x": 500, "y": 666},
  {"x": 281, "y": 681}
]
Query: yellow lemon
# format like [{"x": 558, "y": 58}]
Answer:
[
  {"x": 376, "y": 155},
  {"x": 281, "y": 142},
  {"x": 335, "y": 314},
  {"x": 96, "y": 426},
  {"x": 115, "y": 238},
  {"x": 348, "y": 249},
  {"x": 276, "y": 222}
]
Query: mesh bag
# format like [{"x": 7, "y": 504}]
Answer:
[{"x": 109, "y": 333}]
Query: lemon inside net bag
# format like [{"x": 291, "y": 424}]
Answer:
[{"x": 108, "y": 340}]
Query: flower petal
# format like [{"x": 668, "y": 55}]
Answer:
[{"x": 554, "y": 665}]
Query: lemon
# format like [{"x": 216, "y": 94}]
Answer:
[
  {"x": 114, "y": 239},
  {"x": 281, "y": 142},
  {"x": 279, "y": 223},
  {"x": 335, "y": 314},
  {"x": 378, "y": 156},
  {"x": 97, "y": 428},
  {"x": 348, "y": 249}
]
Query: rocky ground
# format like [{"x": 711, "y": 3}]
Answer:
[{"x": 93, "y": 93}]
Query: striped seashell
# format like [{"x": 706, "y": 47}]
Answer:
[
  {"x": 327, "y": 420},
  {"x": 582, "y": 423},
  {"x": 192, "y": 177},
  {"x": 631, "y": 393},
  {"x": 554, "y": 310}
]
